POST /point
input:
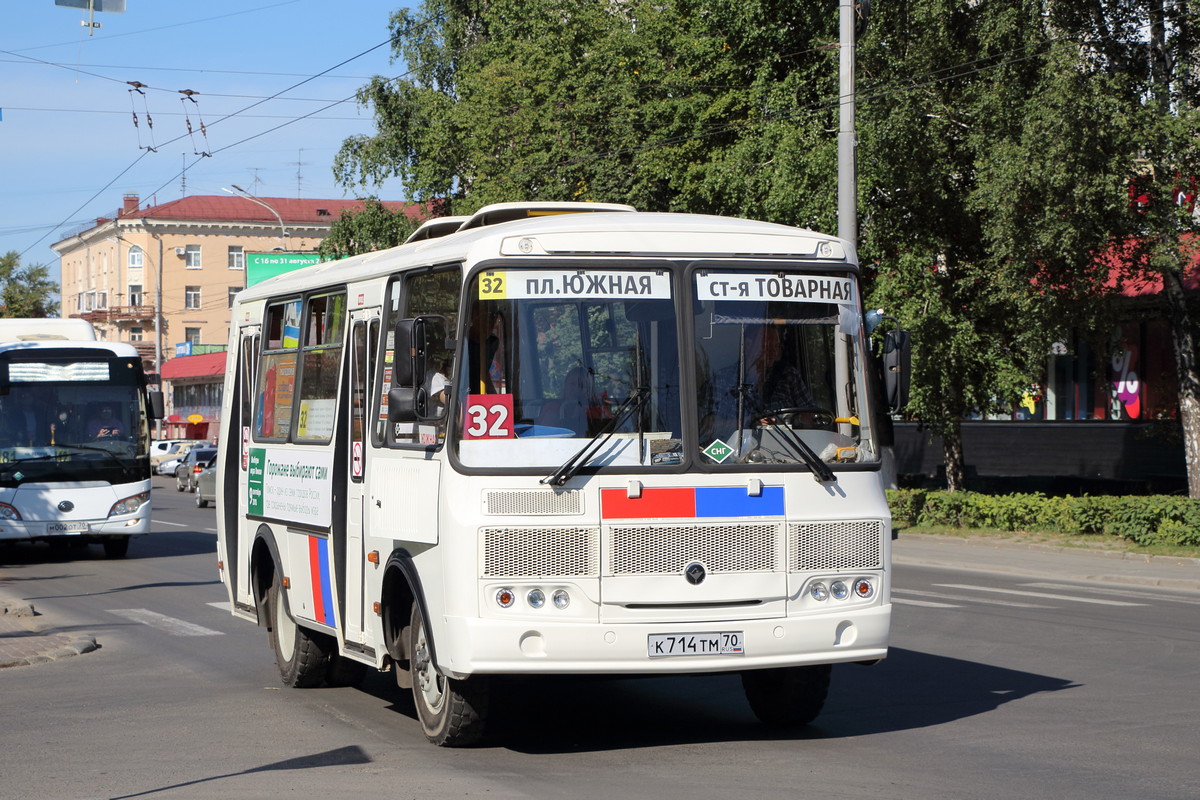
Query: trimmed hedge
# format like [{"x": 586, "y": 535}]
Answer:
[{"x": 1155, "y": 519}]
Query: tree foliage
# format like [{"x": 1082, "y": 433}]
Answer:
[
  {"x": 996, "y": 142},
  {"x": 26, "y": 292},
  {"x": 373, "y": 228}
]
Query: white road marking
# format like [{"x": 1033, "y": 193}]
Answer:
[
  {"x": 1143, "y": 594},
  {"x": 924, "y": 603},
  {"x": 175, "y": 627},
  {"x": 985, "y": 600},
  {"x": 1068, "y": 598},
  {"x": 172, "y": 524},
  {"x": 223, "y": 606}
]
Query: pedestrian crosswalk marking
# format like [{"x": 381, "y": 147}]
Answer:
[
  {"x": 1143, "y": 595},
  {"x": 175, "y": 627},
  {"x": 1043, "y": 595}
]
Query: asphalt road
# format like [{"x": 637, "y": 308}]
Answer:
[{"x": 998, "y": 686}]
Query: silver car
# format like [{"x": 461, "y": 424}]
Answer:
[
  {"x": 189, "y": 467},
  {"x": 206, "y": 484}
]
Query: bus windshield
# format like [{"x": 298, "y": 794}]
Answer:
[
  {"x": 553, "y": 358},
  {"x": 778, "y": 361},
  {"x": 72, "y": 419}
]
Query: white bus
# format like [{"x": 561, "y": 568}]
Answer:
[
  {"x": 562, "y": 443},
  {"x": 74, "y": 436}
]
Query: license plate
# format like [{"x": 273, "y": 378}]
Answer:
[
  {"x": 722, "y": 643},
  {"x": 67, "y": 527}
]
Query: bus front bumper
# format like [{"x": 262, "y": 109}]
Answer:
[{"x": 468, "y": 645}]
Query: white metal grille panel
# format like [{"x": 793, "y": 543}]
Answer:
[
  {"x": 854, "y": 544},
  {"x": 547, "y": 502},
  {"x": 544, "y": 552},
  {"x": 668, "y": 549}
]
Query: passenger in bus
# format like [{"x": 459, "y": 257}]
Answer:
[
  {"x": 574, "y": 408},
  {"x": 104, "y": 424},
  {"x": 436, "y": 385}
]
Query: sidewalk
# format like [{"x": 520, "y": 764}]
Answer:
[
  {"x": 1015, "y": 556},
  {"x": 26, "y": 639}
]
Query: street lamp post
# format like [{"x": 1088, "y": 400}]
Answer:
[{"x": 237, "y": 190}]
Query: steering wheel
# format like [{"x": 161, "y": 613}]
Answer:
[{"x": 790, "y": 415}]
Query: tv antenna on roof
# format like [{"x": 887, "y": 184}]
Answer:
[{"x": 92, "y": 6}]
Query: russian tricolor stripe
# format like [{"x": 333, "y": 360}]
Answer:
[
  {"x": 322, "y": 586},
  {"x": 691, "y": 503}
]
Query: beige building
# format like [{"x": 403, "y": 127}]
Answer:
[{"x": 195, "y": 250}]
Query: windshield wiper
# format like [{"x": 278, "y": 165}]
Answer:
[
  {"x": 800, "y": 448},
  {"x": 593, "y": 445}
]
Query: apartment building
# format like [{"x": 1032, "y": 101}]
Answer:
[{"x": 162, "y": 277}]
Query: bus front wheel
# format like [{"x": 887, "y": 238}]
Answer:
[
  {"x": 789, "y": 696},
  {"x": 116, "y": 547},
  {"x": 452, "y": 712},
  {"x": 302, "y": 656}
]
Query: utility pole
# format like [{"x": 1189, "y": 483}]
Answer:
[{"x": 847, "y": 204}]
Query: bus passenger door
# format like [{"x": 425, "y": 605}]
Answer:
[
  {"x": 238, "y": 533},
  {"x": 364, "y": 334}
]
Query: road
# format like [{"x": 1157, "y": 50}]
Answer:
[{"x": 998, "y": 686}]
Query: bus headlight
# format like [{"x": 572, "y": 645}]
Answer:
[
  {"x": 8, "y": 512},
  {"x": 129, "y": 505},
  {"x": 819, "y": 591},
  {"x": 839, "y": 590},
  {"x": 536, "y": 598},
  {"x": 561, "y": 599}
]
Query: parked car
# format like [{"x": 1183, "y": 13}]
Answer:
[
  {"x": 206, "y": 484},
  {"x": 189, "y": 467},
  {"x": 168, "y": 449},
  {"x": 168, "y": 467}
]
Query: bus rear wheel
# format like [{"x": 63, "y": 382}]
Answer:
[
  {"x": 452, "y": 712},
  {"x": 788, "y": 697},
  {"x": 302, "y": 656}
]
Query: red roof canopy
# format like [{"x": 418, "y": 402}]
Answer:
[
  {"x": 194, "y": 366},
  {"x": 238, "y": 209}
]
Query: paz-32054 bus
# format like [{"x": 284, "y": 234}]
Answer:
[{"x": 560, "y": 443}]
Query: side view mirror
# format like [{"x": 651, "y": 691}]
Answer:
[
  {"x": 897, "y": 368},
  {"x": 157, "y": 408},
  {"x": 415, "y": 338}
]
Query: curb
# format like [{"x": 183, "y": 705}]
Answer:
[{"x": 23, "y": 643}]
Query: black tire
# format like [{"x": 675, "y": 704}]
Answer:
[
  {"x": 302, "y": 655},
  {"x": 789, "y": 697},
  {"x": 452, "y": 712},
  {"x": 344, "y": 671},
  {"x": 201, "y": 502},
  {"x": 116, "y": 547},
  {"x": 178, "y": 484}
]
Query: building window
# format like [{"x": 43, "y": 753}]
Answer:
[
  {"x": 191, "y": 297},
  {"x": 135, "y": 257},
  {"x": 135, "y": 334},
  {"x": 101, "y": 299},
  {"x": 191, "y": 256},
  {"x": 135, "y": 294},
  {"x": 233, "y": 290},
  {"x": 192, "y": 335},
  {"x": 237, "y": 257}
]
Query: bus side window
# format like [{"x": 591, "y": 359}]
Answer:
[{"x": 277, "y": 371}]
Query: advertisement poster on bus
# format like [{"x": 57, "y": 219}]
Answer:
[{"x": 291, "y": 485}]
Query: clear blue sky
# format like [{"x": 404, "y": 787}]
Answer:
[{"x": 67, "y": 127}]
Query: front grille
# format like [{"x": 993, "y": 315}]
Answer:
[
  {"x": 855, "y": 544},
  {"x": 668, "y": 549},
  {"x": 501, "y": 501},
  {"x": 540, "y": 552}
]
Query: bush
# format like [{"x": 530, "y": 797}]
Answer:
[{"x": 1157, "y": 519}]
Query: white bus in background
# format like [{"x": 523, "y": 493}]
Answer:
[
  {"x": 561, "y": 443},
  {"x": 74, "y": 436}
]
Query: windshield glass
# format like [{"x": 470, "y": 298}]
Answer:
[
  {"x": 778, "y": 359},
  {"x": 553, "y": 358},
  {"x": 72, "y": 420}
]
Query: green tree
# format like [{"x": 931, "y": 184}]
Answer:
[
  {"x": 372, "y": 228},
  {"x": 26, "y": 292}
]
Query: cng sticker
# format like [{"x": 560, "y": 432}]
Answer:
[{"x": 718, "y": 451}]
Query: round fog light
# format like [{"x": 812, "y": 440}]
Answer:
[
  {"x": 818, "y": 591},
  {"x": 536, "y": 598},
  {"x": 863, "y": 588},
  {"x": 839, "y": 590},
  {"x": 505, "y": 598},
  {"x": 561, "y": 599}
]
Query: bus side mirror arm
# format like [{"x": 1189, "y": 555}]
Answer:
[{"x": 406, "y": 398}]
